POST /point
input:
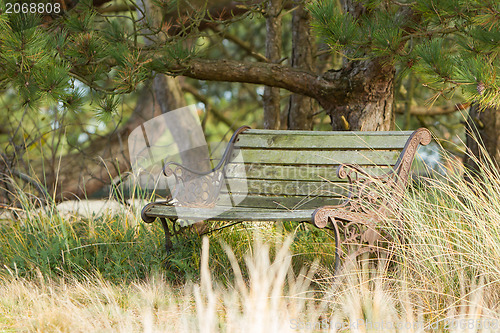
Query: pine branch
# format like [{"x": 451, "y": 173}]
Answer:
[
  {"x": 91, "y": 85},
  {"x": 430, "y": 33},
  {"x": 325, "y": 87}
]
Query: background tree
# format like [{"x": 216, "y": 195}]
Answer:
[
  {"x": 97, "y": 55},
  {"x": 449, "y": 45}
]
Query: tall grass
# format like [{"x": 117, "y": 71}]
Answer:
[
  {"x": 106, "y": 274},
  {"x": 260, "y": 304},
  {"x": 272, "y": 299},
  {"x": 58, "y": 246},
  {"x": 448, "y": 248}
]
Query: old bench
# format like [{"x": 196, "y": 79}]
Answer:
[{"x": 324, "y": 178}]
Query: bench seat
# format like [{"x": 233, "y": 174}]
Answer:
[{"x": 233, "y": 214}]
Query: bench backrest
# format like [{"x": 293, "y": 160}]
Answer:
[{"x": 298, "y": 169}]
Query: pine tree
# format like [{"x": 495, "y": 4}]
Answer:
[{"x": 451, "y": 45}]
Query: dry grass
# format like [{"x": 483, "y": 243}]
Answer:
[
  {"x": 443, "y": 276},
  {"x": 260, "y": 304},
  {"x": 362, "y": 299}
]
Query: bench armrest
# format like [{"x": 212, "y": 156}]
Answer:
[
  {"x": 365, "y": 190},
  {"x": 226, "y": 157},
  {"x": 194, "y": 188}
]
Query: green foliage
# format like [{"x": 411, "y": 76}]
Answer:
[
  {"x": 105, "y": 53},
  {"x": 385, "y": 31},
  {"x": 337, "y": 28},
  {"x": 27, "y": 65},
  {"x": 178, "y": 51},
  {"x": 107, "y": 106},
  {"x": 449, "y": 44},
  {"x": 115, "y": 33},
  {"x": 118, "y": 250},
  {"x": 74, "y": 100},
  {"x": 80, "y": 20},
  {"x": 435, "y": 61},
  {"x": 310, "y": 244},
  {"x": 133, "y": 71}
]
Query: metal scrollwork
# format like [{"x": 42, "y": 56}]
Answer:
[
  {"x": 365, "y": 194},
  {"x": 352, "y": 232},
  {"x": 366, "y": 191},
  {"x": 193, "y": 189},
  {"x": 200, "y": 189},
  {"x": 366, "y": 202}
]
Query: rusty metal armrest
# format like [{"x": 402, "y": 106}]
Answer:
[
  {"x": 364, "y": 200},
  {"x": 200, "y": 189}
]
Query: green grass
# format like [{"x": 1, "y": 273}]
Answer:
[
  {"x": 57, "y": 246},
  {"x": 121, "y": 250}
]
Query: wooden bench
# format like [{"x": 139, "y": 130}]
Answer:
[{"x": 324, "y": 178}]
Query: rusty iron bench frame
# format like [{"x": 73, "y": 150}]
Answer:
[{"x": 353, "y": 218}]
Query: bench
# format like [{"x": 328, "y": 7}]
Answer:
[{"x": 320, "y": 177}]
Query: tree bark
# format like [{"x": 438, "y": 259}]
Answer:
[
  {"x": 273, "y": 54},
  {"x": 301, "y": 108},
  {"x": 328, "y": 86},
  {"x": 369, "y": 106}
]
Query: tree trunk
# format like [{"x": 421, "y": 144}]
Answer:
[
  {"x": 301, "y": 108},
  {"x": 273, "y": 53},
  {"x": 482, "y": 136},
  {"x": 371, "y": 97}
]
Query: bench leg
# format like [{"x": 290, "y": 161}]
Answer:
[
  {"x": 337, "y": 244},
  {"x": 166, "y": 229}
]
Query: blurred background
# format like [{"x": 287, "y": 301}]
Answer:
[{"x": 75, "y": 82}]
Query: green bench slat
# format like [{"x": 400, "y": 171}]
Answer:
[
  {"x": 285, "y": 202},
  {"x": 307, "y": 172},
  {"x": 260, "y": 132},
  {"x": 233, "y": 214},
  {"x": 286, "y": 157},
  {"x": 286, "y": 187},
  {"x": 321, "y": 140}
]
